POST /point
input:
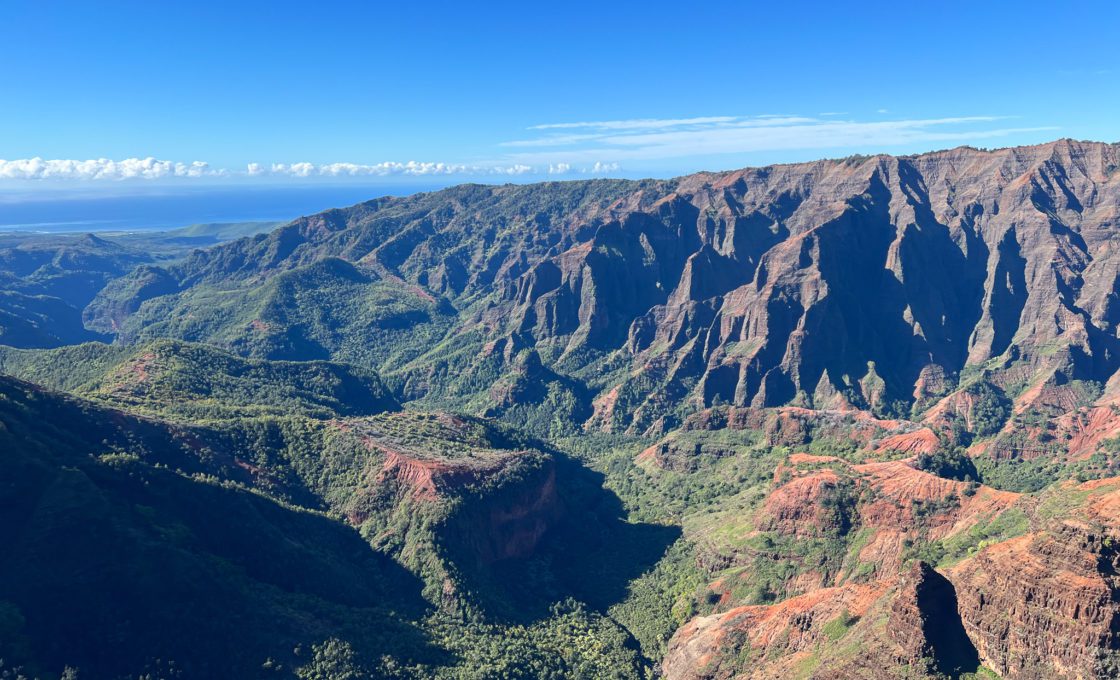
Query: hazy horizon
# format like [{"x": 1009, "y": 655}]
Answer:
[{"x": 160, "y": 206}]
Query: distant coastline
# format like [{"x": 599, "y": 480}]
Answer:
[{"x": 144, "y": 212}]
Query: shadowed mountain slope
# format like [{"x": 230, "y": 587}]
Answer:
[{"x": 872, "y": 281}]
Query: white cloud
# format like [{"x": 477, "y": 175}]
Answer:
[
  {"x": 598, "y": 168},
  {"x": 154, "y": 169},
  {"x": 103, "y": 169},
  {"x": 579, "y": 148},
  {"x": 388, "y": 168},
  {"x": 609, "y": 128},
  {"x": 603, "y": 168},
  {"x": 636, "y": 123},
  {"x": 512, "y": 170},
  {"x": 726, "y": 135},
  {"x": 554, "y": 140}
]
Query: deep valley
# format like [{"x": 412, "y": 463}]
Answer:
[{"x": 854, "y": 418}]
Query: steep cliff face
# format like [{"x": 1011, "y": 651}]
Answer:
[
  {"x": 884, "y": 278},
  {"x": 877, "y": 279},
  {"x": 868, "y": 282},
  {"x": 489, "y": 506},
  {"x": 906, "y": 628},
  {"x": 511, "y": 523},
  {"x": 1046, "y": 604}
]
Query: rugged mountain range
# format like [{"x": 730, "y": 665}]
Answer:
[
  {"x": 874, "y": 282},
  {"x": 825, "y": 420},
  {"x": 46, "y": 280}
]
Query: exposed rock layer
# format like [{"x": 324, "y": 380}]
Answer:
[{"x": 859, "y": 282}]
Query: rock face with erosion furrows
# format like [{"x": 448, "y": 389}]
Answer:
[
  {"x": 868, "y": 282},
  {"x": 1045, "y": 604},
  {"x": 909, "y": 626},
  {"x": 450, "y": 495}
]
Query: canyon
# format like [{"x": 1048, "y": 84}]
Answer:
[{"x": 853, "y": 418}]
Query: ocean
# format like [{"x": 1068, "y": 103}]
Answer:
[{"x": 180, "y": 208}]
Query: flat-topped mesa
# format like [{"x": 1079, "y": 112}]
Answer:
[
  {"x": 491, "y": 498},
  {"x": 795, "y": 426},
  {"x": 428, "y": 478},
  {"x": 504, "y": 519}
]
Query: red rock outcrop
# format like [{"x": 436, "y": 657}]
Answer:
[
  {"x": 426, "y": 479},
  {"x": 1087, "y": 429},
  {"x": 728, "y": 645},
  {"x": 796, "y": 507},
  {"x": 890, "y": 494},
  {"x": 840, "y": 633},
  {"x": 1045, "y": 605},
  {"x": 490, "y": 504}
]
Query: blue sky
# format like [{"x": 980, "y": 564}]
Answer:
[{"x": 114, "y": 95}]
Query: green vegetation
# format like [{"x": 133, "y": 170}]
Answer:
[
  {"x": 332, "y": 659},
  {"x": 47, "y": 280},
  {"x": 326, "y": 310},
  {"x": 839, "y": 626},
  {"x": 950, "y": 463},
  {"x": 1008, "y": 524},
  {"x": 661, "y": 600},
  {"x": 294, "y": 579},
  {"x": 990, "y": 408},
  {"x": 241, "y": 577},
  {"x": 570, "y": 643},
  {"x": 1026, "y": 476},
  {"x": 197, "y": 382}
]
